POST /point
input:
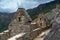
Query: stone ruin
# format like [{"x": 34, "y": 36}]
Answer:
[
  {"x": 53, "y": 18},
  {"x": 21, "y": 27},
  {"x": 19, "y": 24},
  {"x": 41, "y": 21}
]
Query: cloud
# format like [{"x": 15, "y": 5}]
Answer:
[
  {"x": 29, "y": 4},
  {"x": 8, "y": 6},
  {"x": 13, "y": 5}
]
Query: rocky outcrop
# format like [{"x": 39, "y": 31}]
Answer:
[
  {"x": 54, "y": 34},
  {"x": 20, "y": 23}
]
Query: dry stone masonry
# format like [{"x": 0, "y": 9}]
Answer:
[{"x": 21, "y": 23}]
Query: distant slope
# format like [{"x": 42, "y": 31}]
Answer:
[
  {"x": 43, "y": 8},
  {"x": 5, "y": 19}
]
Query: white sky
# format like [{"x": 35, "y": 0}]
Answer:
[{"x": 13, "y": 5}]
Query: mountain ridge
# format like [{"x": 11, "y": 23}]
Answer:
[{"x": 5, "y": 18}]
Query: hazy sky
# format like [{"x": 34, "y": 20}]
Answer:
[{"x": 13, "y": 5}]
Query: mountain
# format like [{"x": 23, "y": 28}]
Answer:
[
  {"x": 43, "y": 8},
  {"x": 5, "y": 18}
]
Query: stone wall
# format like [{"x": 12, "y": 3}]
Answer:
[
  {"x": 22, "y": 24},
  {"x": 5, "y": 35}
]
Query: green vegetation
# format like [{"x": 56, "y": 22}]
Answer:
[
  {"x": 43, "y": 8},
  {"x": 5, "y": 19}
]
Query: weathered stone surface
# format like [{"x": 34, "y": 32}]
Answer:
[
  {"x": 54, "y": 34},
  {"x": 20, "y": 23},
  {"x": 4, "y": 35}
]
